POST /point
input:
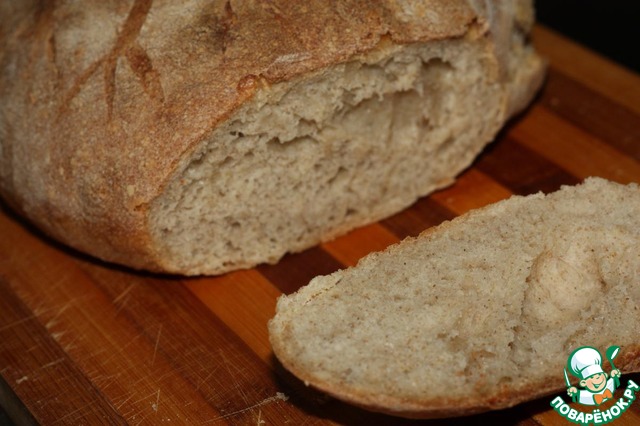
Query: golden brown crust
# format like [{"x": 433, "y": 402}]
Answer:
[{"x": 100, "y": 102}]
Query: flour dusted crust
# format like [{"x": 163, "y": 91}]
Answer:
[{"x": 104, "y": 104}]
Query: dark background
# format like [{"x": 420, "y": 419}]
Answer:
[{"x": 611, "y": 27}]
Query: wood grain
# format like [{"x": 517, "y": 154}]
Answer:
[{"x": 82, "y": 342}]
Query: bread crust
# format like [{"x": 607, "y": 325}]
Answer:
[
  {"x": 101, "y": 103},
  {"x": 436, "y": 408}
]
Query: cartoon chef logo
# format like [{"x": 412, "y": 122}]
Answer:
[
  {"x": 596, "y": 387},
  {"x": 586, "y": 364}
]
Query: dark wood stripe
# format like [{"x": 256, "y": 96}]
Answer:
[
  {"x": 295, "y": 270},
  {"x": 592, "y": 112},
  {"x": 423, "y": 214},
  {"x": 40, "y": 372},
  {"x": 12, "y": 410},
  {"x": 521, "y": 170},
  {"x": 5, "y": 417}
]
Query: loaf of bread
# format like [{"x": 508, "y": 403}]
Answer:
[
  {"x": 478, "y": 313},
  {"x": 202, "y": 136}
]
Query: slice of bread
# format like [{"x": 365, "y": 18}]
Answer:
[{"x": 479, "y": 313}]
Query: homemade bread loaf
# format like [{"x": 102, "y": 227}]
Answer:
[
  {"x": 478, "y": 313},
  {"x": 202, "y": 136}
]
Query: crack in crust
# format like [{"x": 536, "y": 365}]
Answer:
[
  {"x": 43, "y": 31},
  {"x": 228, "y": 21},
  {"x": 127, "y": 46}
]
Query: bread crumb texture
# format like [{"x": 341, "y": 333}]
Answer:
[
  {"x": 479, "y": 313},
  {"x": 307, "y": 160}
]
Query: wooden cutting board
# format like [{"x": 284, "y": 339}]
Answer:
[{"x": 82, "y": 342}]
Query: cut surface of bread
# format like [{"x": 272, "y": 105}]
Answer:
[
  {"x": 478, "y": 313},
  {"x": 308, "y": 160},
  {"x": 205, "y": 136}
]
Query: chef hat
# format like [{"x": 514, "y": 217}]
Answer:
[{"x": 585, "y": 361}]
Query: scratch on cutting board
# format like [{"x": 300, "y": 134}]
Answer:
[
  {"x": 75, "y": 412},
  {"x": 236, "y": 383},
  {"x": 124, "y": 402},
  {"x": 62, "y": 309},
  {"x": 18, "y": 322},
  {"x": 104, "y": 381},
  {"x": 204, "y": 380},
  {"x": 135, "y": 402},
  {"x": 135, "y": 409},
  {"x": 34, "y": 315},
  {"x": 52, "y": 363},
  {"x": 122, "y": 349},
  {"x": 156, "y": 405},
  {"x": 71, "y": 345},
  {"x": 123, "y": 294},
  {"x": 229, "y": 365},
  {"x": 155, "y": 349},
  {"x": 279, "y": 396},
  {"x": 124, "y": 297},
  {"x": 52, "y": 322},
  {"x": 57, "y": 335}
]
